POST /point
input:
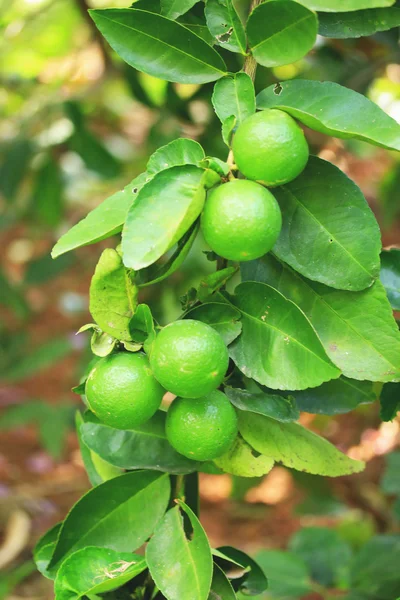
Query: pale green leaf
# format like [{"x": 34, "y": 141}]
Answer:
[
  {"x": 182, "y": 151},
  {"x": 345, "y": 5},
  {"x": 242, "y": 461}
]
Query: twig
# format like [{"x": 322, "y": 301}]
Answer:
[{"x": 84, "y": 7}]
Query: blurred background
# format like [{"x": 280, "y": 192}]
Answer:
[{"x": 77, "y": 124}]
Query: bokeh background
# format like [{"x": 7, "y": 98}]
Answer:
[{"x": 77, "y": 124}]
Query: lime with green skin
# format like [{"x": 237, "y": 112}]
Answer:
[
  {"x": 270, "y": 147},
  {"x": 241, "y": 220},
  {"x": 202, "y": 428},
  {"x": 122, "y": 391},
  {"x": 189, "y": 358}
]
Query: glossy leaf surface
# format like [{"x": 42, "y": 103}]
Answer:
[{"x": 234, "y": 95}]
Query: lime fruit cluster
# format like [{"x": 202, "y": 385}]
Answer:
[
  {"x": 122, "y": 391},
  {"x": 269, "y": 147},
  {"x": 202, "y": 428}
]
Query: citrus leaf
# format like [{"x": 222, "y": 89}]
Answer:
[
  {"x": 335, "y": 397},
  {"x": 228, "y": 127},
  {"x": 44, "y": 549},
  {"x": 47, "y": 194},
  {"x": 281, "y": 32},
  {"x": 333, "y": 109},
  {"x": 295, "y": 447},
  {"x": 145, "y": 447},
  {"x": 182, "y": 151},
  {"x": 221, "y": 588},
  {"x": 270, "y": 405},
  {"x": 101, "y": 343},
  {"x": 357, "y": 329},
  {"x": 390, "y": 275},
  {"x": 225, "y": 25},
  {"x": 242, "y": 461},
  {"x": 348, "y": 5},
  {"x": 390, "y": 401},
  {"x": 253, "y": 581},
  {"x": 158, "y": 46},
  {"x": 222, "y": 317},
  {"x": 94, "y": 570},
  {"x": 102, "y": 222},
  {"x": 326, "y": 217},
  {"x": 119, "y": 514},
  {"x": 234, "y": 95},
  {"x": 113, "y": 295},
  {"x": 180, "y": 567},
  {"x": 358, "y": 23},
  {"x": 94, "y": 477},
  {"x": 172, "y": 9},
  {"x": 288, "y": 575},
  {"x": 269, "y": 320},
  {"x": 163, "y": 211}
]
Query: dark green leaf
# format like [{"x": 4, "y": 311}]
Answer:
[
  {"x": 43, "y": 551},
  {"x": 287, "y": 573},
  {"x": 16, "y": 159},
  {"x": 12, "y": 296},
  {"x": 341, "y": 5},
  {"x": 39, "y": 359},
  {"x": 93, "y": 570},
  {"x": 326, "y": 555},
  {"x": 241, "y": 460},
  {"x": 270, "y": 405},
  {"x": 390, "y": 401},
  {"x": 234, "y": 95},
  {"x": 180, "y": 567},
  {"x": 335, "y": 397},
  {"x": 182, "y": 151},
  {"x": 358, "y": 23},
  {"x": 94, "y": 154},
  {"x": 374, "y": 571},
  {"x": 44, "y": 268},
  {"x": 222, "y": 317},
  {"x": 253, "y": 582},
  {"x": 269, "y": 320},
  {"x": 102, "y": 222},
  {"x": 158, "y": 46},
  {"x": 119, "y": 514},
  {"x": 87, "y": 455},
  {"x": 221, "y": 588},
  {"x": 295, "y": 446},
  {"x": 329, "y": 233},
  {"x": 141, "y": 325},
  {"x": 145, "y": 447},
  {"x": 47, "y": 195},
  {"x": 390, "y": 483},
  {"x": 281, "y": 32},
  {"x": 225, "y": 25},
  {"x": 113, "y": 295},
  {"x": 162, "y": 213},
  {"x": 363, "y": 348},
  {"x": 333, "y": 109},
  {"x": 175, "y": 8},
  {"x": 390, "y": 275}
]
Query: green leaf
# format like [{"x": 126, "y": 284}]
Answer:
[
  {"x": 342, "y": 6},
  {"x": 213, "y": 282},
  {"x": 180, "y": 567},
  {"x": 93, "y": 570},
  {"x": 158, "y": 46},
  {"x": 295, "y": 446},
  {"x": 329, "y": 233},
  {"x": 44, "y": 268},
  {"x": 241, "y": 460},
  {"x": 216, "y": 164},
  {"x": 254, "y": 581},
  {"x": 234, "y": 95},
  {"x": 281, "y": 32},
  {"x": 44, "y": 549},
  {"x": 182, "y": 151},
  {"x": 141, "y": 325},
  {"x": 335, "y": 397},
  {"x": 13, "y": 576},
  {"x": 390, "y": 483},
  {"x": 390, "y": 401},
  {"x": 40, "y": 358},
  {"x": 113, "y": 295},
  {"x": 16, "y": 158},
  {"x": 333, "y": 109},
  {"x": 225, "y": 25},
  {"x": 270, "y": 405},
  {"x": 228, "y": 127},
  {"x": 377, "y": 578},
  {"x": 162, "y": 213},
  {"x": 94, "y": 154},
  {"x": 390, "y": 275},
  {"x": 101, "y": 343},
  {"x": 172, "y": 9},
  {"x": 288, "y": 575},
  {"x": 87, "y": 456},
  {"x": 357, "y": 329},
  {"x": 47, "y": 195},
  {"x": 221, "y": 588},
  {"x": 222, "y": 317},
  {"x": 358, "y": 23},
  {"x": 326, "y": 555},
  {"x": 269, "y": 320},
  {"x": 119, "y": 514},
  {"x": 145, "y": 447},
  {"x": 102, "y": 222},
  {"x": 159, "y": 272}
]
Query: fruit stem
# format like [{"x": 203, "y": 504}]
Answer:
[{"x": 250, "y": 64}]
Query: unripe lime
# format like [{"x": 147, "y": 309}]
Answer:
[
  {"x": 189, "y": 358},
  {"x": 122, "y": 391},
  {"x": 270, "y": 147},
  {"x": 202, "y": 428},
  {"x": 241, "y": 220}
]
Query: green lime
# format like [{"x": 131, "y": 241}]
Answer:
[
  {"x": 202, "y": 428},
  {"x": 241, "y": 220},
  {"x": 270, "y": 147},
  {"x": 189, "y": 358},
  {"x": 122, "y": 391}
]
